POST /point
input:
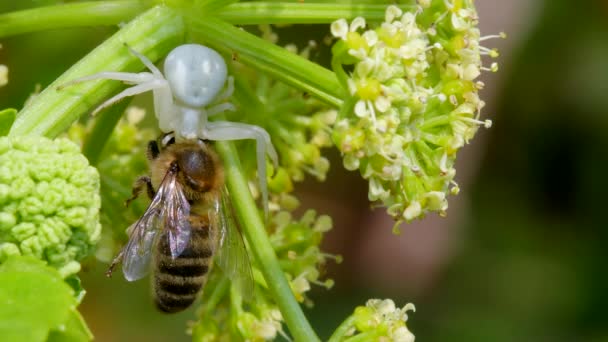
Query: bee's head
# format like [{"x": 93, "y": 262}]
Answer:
[{"x": 196, "y": 164}]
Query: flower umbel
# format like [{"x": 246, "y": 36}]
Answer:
[
  {"x": 414, "y": 102},
  {"x": 50, "y": 201},
  {"x": 384, "y": 319}
]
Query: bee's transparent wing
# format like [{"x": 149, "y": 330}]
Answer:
[
  {"x": 232, "y": 257},
  {"x": 177, "y": 221},
  {"x": 168, "y": 210}
]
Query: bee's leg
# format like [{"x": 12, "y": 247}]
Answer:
[
  {"x": 138, "y": 188},
  {"x": 115, "y": 262},
  {"x": 153, "y": 150}
]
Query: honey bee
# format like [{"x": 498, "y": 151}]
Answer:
[{"x": 186, "y": 223}]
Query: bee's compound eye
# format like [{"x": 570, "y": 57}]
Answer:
[
  {"x": 168, "y": 139},
  {"x": 196, "y": 74}
]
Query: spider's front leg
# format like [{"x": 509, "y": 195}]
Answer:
[
  {"x": 143, "y": 82},
  {"x": 224, "y": 130}
]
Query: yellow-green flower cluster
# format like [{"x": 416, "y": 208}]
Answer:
[
  {"x": 414, "y": 101},
  {"x": 381, "y": 320},
  {"x": 49, "y": 200}
]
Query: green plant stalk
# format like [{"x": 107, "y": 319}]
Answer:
[
  {"x": 251, "y": 13},
  {"x": 269, "y": 58},
  {"x": 342, "y": 329},
  {"x": 7, "y": 117},
  {"x": 253, "y": 229},
  {"x": 70, "y": 15},
  {"x": 154, "y": 34},
  {"x": 104, "y": 124},
  {"x": 218, "y": 292}
]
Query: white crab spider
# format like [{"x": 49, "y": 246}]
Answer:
[{"x": 187, "y": 95}]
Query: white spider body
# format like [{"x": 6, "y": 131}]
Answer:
[
  {"x": 195, "y": 74},
  {"x": 189, "y": 92}
]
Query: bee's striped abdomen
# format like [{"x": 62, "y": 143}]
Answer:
[{"x": 178, "y": 281}]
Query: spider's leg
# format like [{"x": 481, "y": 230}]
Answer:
[
  {"x": 148, "y": 63},
  {"x": 224, "y": 130},
  {"x": 220, "y": 108},
  {"x": 137, "y": 89},
  {"x": 227, "y": 92},
  {"x": 129, "y": 77},
  {"x": 164, "y": 108}
]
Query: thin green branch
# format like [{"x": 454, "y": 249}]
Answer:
[
  {"x": 7, "y": 117},
  {"x": 342, "y": 329},
  {"x": 104, "y": 124},
  {"x": 269, "y": 58},
  {"x": 254, "y": 231},
  {"x": 154, "y": 34},
  {"x": 70, "y": 15},
  {"x": 250, "y": 13}
]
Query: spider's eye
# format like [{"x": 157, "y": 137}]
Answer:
[{"x": 168, "y": 139}]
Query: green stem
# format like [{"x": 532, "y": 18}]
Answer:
[
  {"x": 70, "y": 15},
  {"x": 364, "y": 337},
  {"x": 254, "y": 231},
  {"x": 154, "y": 34},
  {"x": 96, "y": 140},
  {"x": 219, "y": 291},
  {"x": 269, "y": 58},
  {"x": 250, "y": 13},
  {"x": 342, "y": 329}
]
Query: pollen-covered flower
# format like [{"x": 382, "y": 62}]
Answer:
[
  {"x": 49, "y": 200},
  {"x": 414, "y": 101},
  {"x": 262, "y": 327},
  {"x": 382, "y": 320}
]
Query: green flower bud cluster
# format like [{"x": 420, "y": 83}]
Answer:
[
  {"x": 49, "y": 201},
  {"x": 297, "y": 244},
  {"x": 414, "y": 101},
  {"x": 380, "y": 320}
]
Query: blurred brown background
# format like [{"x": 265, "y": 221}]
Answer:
[{"x": 521, "y": 255}]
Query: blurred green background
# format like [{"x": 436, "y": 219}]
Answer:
[{"x": 522, "y": 253}]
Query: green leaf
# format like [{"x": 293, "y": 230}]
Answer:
[
  {"x": 7, "y": 117},
  {"x": 91, "y": 13},
  {"x": 75, "y": 330},
  {"x": 34, "y": 300},
  {"x": 75, "y": 284}
]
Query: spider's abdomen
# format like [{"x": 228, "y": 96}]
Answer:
[{"x": 196, "y": 74}]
